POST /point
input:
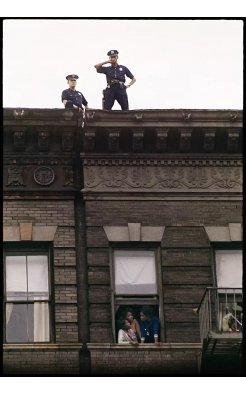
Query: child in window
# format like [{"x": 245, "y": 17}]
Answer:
[
  {"x": 129, "y": 315},
  {"x": 126, "y": 335}
]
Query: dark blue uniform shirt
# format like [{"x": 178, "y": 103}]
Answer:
[
  {"x": 149, "y": 329},
  {"x": 75, "y": 97},
  {"x": 115, "y": 73}
]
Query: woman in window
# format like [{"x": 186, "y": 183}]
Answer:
[
  {"x": 149, "y": 326},
  {"x": 129, "y": 316},
  {"x": 126, "y": 335}
]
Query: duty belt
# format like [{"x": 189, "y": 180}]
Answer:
[{"x": 115, "y": 82}]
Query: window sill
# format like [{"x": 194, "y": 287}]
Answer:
[
  {"x": 144, "y": 347},
  {"x": 40, "y": 346}
]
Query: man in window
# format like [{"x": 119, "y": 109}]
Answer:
[{"x": 149, "y": 326}]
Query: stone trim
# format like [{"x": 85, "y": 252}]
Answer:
[
  {"x": 145, "y": 347},
  {"x": 232, "y": 232},
  {"x": 134, "y": 232},
  {"x": 25, "y": 231},
  {"x": 44, "y": 346}
]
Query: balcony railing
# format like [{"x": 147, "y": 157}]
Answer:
[{"x": 220, "y": 311}]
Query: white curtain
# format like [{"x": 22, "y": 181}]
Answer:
[
  {"x": 38, "y": 284},
  {"x": 41, "y": 322},
  {"x": 135, "y": 272},
  {"x": 229, "y": 268},
  {"x": 16, "y": 284}
]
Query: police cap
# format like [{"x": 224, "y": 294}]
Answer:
[
  {"x": 72, "y": 76},
  {"x": 113, "y": 52}
]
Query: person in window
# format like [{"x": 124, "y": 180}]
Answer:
[
  {"x": 129, "y": 316},
  {"x": 126, "y": 335},
  {"x": 149, "y": 326}
]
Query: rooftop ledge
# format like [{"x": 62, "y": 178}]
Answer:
[
  {"x": 41, "y": 346},
  {"x": 145, "y": 347}
]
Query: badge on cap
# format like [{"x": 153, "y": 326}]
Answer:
[{"x": 112, "y": 51}]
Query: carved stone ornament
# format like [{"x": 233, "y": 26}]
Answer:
[
  {"x": 44, "y": 175},
  {"x": 137, "y": 141},
  {"x": 113, "y": 141},
  {"x": 185, "y": 140},
  {"x": 67, "y": 141},
  {"x": 233, "y": 140},
  {"x": 157, "y": 178},
  {"x": 161, "y": 140},
  {"x": 15, "y": 176},
  {"x": 43, "y": 140},
  {"x": 69, "y": 176},
  {"x": 89, "y": 141},
  {"x": 19, "y": 140},
  {"x": 209, "y": 138}
]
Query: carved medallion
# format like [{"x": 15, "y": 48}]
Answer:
[{"x": 44, "y": 175}]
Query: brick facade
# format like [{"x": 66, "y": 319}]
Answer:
[{"x": 162, "y": 172}]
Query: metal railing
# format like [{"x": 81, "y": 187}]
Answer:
[{"x": 215, "y": 304}]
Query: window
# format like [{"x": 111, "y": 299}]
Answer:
[
  {"x": 136, "y": 281},
  {"x": 27, "y": 297},
  {"x": 229, "y": 289}
]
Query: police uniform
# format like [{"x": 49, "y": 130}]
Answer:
[
  {"x": 73, "y": 96},
  {"x": 116, "y": 90}
]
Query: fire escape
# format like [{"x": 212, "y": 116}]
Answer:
[{"x": 220, "y": 317}]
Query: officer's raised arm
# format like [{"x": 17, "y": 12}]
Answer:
[{"x": 99, "y": 65}]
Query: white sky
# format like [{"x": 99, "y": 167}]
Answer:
[{"x": 177, "y": 63}]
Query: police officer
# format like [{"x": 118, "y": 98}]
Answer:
[
  {"x": 72, "y": 98},
  {"x": 116, "y": 88}
]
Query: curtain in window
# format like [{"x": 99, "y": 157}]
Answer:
[
  {"x": 16, "y": 281},
  {"x": 41, "y": 322},
  {"x": 9, "y": 309},
  {"x": 229, "y": 268},
  {"x": 135, "y": 272},
  {"x": 38, "y": 285}
]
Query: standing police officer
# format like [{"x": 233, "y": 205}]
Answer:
[
  {"x": 72, "y": 98},
  {"x": 115, "y": 74}
]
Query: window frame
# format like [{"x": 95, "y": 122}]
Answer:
[
  {"x": 219, "y": 246},
  {"x": 126, "y": 300},
  {"x": 25, "y": 248}
]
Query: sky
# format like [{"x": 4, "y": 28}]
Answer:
[{"x": 193, "y": 64}]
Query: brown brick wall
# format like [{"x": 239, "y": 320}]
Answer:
[
  {"x": 43, "y": 362},
  {"x": 186, "y": 257},
  {"x": 139, "y": 362},
  {"x": 61, "y": 214}
]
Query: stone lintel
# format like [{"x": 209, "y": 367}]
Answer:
[
  {"x": 44, "y": 233},
  {"x": 235, "y": 231},
  {"x": 152, "y": 233},
  {"x": 218, "y": 233},
  {"x": 11, "y": 233},
  {"x": 117, "y": 233}
]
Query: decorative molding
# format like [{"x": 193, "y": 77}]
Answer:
[
  {"x": 19, "y": 138},
  {"x": 44, "y": 233},
  {"x": 137, "y": 141},
  {"x": 67, "y": 141},
  {"x": 209, "y": 139},
  {"x": 232, "y": 140},
  {"x": 18, "y": 114},
  {"x": 34, "y": 160},
  {"x": 185, "y": 140},
  {"x": 100, "y": 178},
  {"x": 150, "y": 161},
  {"x": 15, "y": 176},
  {"x": 69, "y": 176},
  {"x": 11, "y": 233},
  {"x": 89, "y": 141},
  {"x": 43, "y": 140},
  {"x": 138, "y": 117},
  {"x": 134, "y": 232},
  {"x": 44, "y": 175},
  {"x": 229, "y": 233},
  {"x": 186, "y": 115},
  {"x": 161, "y": 139},
  {"x": 113, "y": 141}
]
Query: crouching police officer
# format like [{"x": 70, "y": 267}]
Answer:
[
  {"x": 72, "y": 98},
  {"x": 115, "y": 74}
]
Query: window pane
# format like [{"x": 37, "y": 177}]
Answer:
[
  {"x": 38, "y": 287},
  {"x": 229, "y": 268},
  {"x": 135, "y": 272},
  {"x": 16, "y": 284},
  {"x": 16, "y": 323}
]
